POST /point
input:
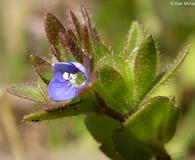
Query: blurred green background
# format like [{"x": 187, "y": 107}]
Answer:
[{"x": 22, "y": 33}]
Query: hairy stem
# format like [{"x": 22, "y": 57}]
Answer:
[{"x": 105, "y": 109}]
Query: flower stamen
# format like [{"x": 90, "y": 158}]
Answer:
[{"x": 72, "y": 79}]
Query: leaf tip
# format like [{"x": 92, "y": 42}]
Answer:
[{"x": 28, "y": 118}]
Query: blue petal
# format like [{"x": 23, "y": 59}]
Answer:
[
  {"x": 65, "y": 67},
  {"x": 61, "y": 91},
  {"x": 59, "y": 76}
]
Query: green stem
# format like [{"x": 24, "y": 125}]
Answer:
[{"x": 105, "y": 109}]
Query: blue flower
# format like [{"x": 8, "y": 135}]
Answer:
[{"x": 65, "y": 84}]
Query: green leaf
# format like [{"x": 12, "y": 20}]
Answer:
[
  {"x": 65, "y": 110},
  {"x": 100, "y": 51},
  {"x": 115, "y": 76},
  {"x": 29, "y": 91},
  {"x": 37, "y": 61},
  {"x": 43, "y": 88},
  {"x": 53, "y": 27},
  {"x": 170, "y": 72},
  {"x": 145, "y": 67},
  {"x": 42, "y": 68},
  {"x": 135, "y": 37},
  {"x": 145, "y": 132},
  {"x": 101, "y": 128},
  {"x": 45, "y": 72},
  {"x": 119, "y": 65}
]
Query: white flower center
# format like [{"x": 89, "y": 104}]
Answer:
[
  {"x": 70, "y": 77},
  {"x": 74, "y": 79}
]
